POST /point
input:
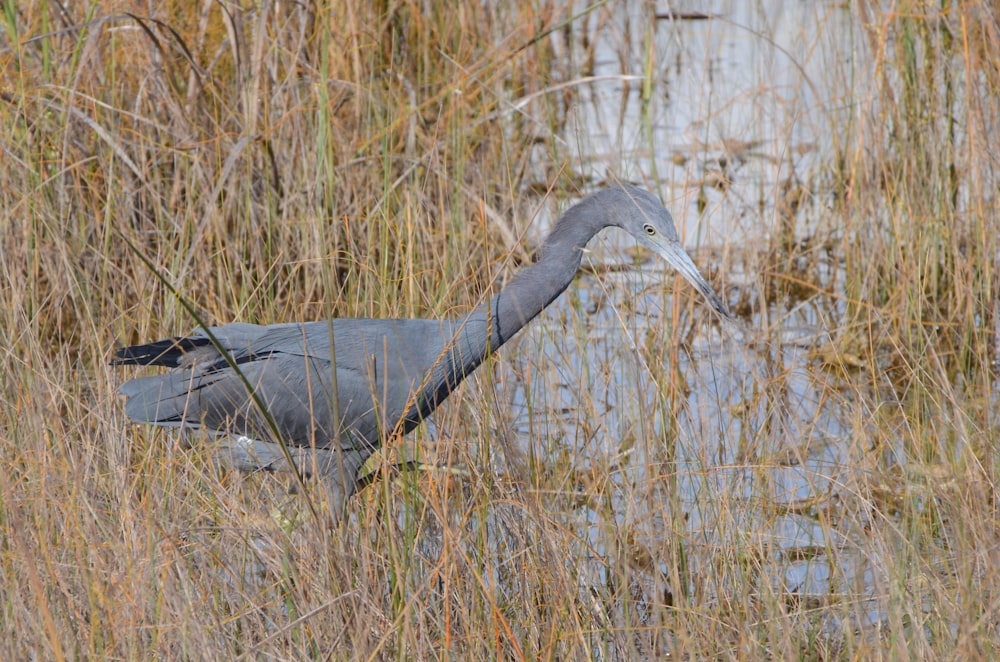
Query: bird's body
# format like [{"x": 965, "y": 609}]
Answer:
[{"x": 377, "y": 375}]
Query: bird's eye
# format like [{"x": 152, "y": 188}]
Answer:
[{"x": 650, "y": 230}]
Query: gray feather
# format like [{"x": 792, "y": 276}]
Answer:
[{"x": 389, "y": 374}]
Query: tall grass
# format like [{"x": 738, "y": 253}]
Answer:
[{"x": 283, "y": 162}]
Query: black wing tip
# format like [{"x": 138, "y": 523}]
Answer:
[{"x": 167, "y": 352}]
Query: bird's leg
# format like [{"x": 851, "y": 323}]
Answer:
[
  {"x": 339, "y": 477},
  {"x": 337, "y": 470},
  {"x": 246, "y": 454}
]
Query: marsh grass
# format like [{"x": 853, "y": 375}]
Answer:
[{"x": 278, "y": 163}]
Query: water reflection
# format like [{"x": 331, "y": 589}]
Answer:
[{"x": 742, "y": 445}]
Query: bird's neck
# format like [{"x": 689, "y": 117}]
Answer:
[
  {"x": 535, "y": 286},
  {"x": 528, "y": 293}
]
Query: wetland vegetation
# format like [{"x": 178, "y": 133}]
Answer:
[{"x": 627, "y": 479}]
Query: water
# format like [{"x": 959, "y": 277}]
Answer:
[
  {"x": 741, "y": 108},
  {"x": 743, "y": 101}
]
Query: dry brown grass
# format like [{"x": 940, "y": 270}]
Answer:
[{"x": 280, "y": 162}]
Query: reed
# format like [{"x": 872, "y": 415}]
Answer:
[{"x": 593, "y": 493}]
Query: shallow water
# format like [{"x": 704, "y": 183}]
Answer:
[
  {"x": 737, "y": 105},
  {"x": 742, "y": 107}
]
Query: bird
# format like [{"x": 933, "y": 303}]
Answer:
[{"x": 331, "y": 392}]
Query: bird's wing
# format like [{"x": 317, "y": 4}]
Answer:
[
  {"x": 379, "y": 366},
  {"x": 296, "y": 391}
]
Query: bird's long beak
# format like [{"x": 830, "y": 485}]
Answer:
[{"x": 677, "y": 257}]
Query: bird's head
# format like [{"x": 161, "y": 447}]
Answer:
[{"x": 643, "y": 216}]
